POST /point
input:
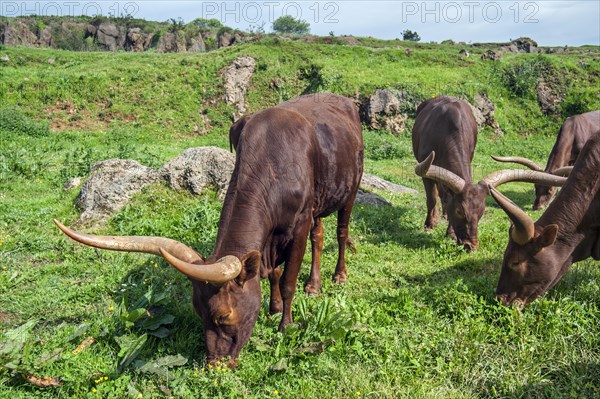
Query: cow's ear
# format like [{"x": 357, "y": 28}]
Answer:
[
  {"x": 548, "y": 236},
  {"x": 250, "y": 267}
]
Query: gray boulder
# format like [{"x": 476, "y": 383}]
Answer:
[
  {"x": 198, "y": 168},
  {"x": 383, "y": 110},
  {"x": 368, "y": 198},
  {"x": 110, "y": 186},
  {"x": 370, "y": 182},
  {"x": 137, "y": 40},
  {"x": 110, "y": 36},
  {"x": 17, "y": 33},
  {"x": 484, "y": 110},
  {"x": 237, "y": 80},
  {"x": 171, "y": 43},
  {"x": 197, "y": 44}
]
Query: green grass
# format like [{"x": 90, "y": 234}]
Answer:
[{"x": 417, "y": 317}]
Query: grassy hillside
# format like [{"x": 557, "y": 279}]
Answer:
[{"x": 417, "y": 317}]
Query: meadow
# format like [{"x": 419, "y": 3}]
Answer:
[{"x": 417, "y": 317}]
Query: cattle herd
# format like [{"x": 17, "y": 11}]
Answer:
[{"x": 303, "y": 160}]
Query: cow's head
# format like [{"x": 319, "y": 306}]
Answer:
[
  {"x": 226, "y": 291},
  {"x": 532, "y": 262},
  {"x": 466, "y": 203},
  {"x": 464, "y": 209},
  {"x": 543, "y": 195}
]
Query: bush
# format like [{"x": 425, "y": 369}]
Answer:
[
  {"x": 12, "y": 121},
  {"x": 411, "y": 36},
  {"x": 289, "y": 25},
  {"x": 522, "y": 78},
  {"x": 578, "y": 102}
]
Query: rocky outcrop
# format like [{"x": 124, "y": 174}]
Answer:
[
  {"x": 110, "y": 36},
  {"x": 17, "y": 33},
  {"x": 110, "y": 186},
  {"x": 491, "y": 55},
  {"x": 198, "y": 168},
  {"x": 226, "y": 39},
  {"x": 137, "y": 40},
  {"x": 197, "y": 44},
  {"x": 171, "y": 43},
  {"x": 548, "y": 99},
  {"x": 237, "y": 78},
  {"x": 483, "y": 110},
  {"x": 384, "y": 110}
]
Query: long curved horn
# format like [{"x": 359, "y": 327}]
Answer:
[
  {"x": 520, "y": 160},
  {"x": 524, "y": 228},
  {"x": 529, "y": 176},
  {"x": 565, "y": 171},
  {"x": 218, "y": 273},
  {"x": 440, "y": 175},
  {"x": 150, "y": 245}
]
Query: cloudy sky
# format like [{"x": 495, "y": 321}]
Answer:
[{"x": 550, "y": 23}]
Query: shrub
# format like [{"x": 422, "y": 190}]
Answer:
[
  {"x": 289, "y": 25},
  {"x": 12, "y": 121},
  {"x": 411, "y": 36}
]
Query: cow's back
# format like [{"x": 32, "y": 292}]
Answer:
[
  {"x": 447, "y": 126},
  {"x": 338, "y": 156}
]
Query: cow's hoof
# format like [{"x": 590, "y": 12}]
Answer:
[
  {"x": 312, "y": 288},
  {"x": 428, "y": 229},
  {"x": 339, "y": 278}
]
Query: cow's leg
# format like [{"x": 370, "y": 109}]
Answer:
[
  {"x": 313, "y": 285},
  {"x": 342, "y": 237},
  {"x": 291, "y": 270},
  {"x": 276, "y": 304},
  {"x": 433, "y": 216}
]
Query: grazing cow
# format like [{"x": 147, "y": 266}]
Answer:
[
  {"x": 573, "y": 134},
  {"x": 539, "y": 254},
  {"x": 444, "y": 138},
  {"x": 295, "y": 163}
]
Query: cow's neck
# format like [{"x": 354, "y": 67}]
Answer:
[
  {"x": 245, "y": 222},
  {"x": 576, "y": 209}
]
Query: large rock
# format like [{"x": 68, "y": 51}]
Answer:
[
  {"x": 198, "y": 168},
  {"x": 383, "y": 110},
  {"x": 197, "y": 44},
  {"x": 368, "y": 198},
  {"x": 110, "y": 36},
  {"x": 111, "y": 185},
  {"x": 370, "y": 182},
  {"x": 483, "y": 110},
  {"x": 226, "y": 39},
  {"x": 137, "y": 40},
  {"x": 171, "y": 43},
  {"x": 237, "y": 80},
  {"x": 17, "y": 33},
  {"x": 548, "y": 99},
  {"x": 491, "y": 55},
  {"x": 525, "y": 45}
]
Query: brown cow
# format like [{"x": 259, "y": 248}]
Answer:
[
  {"x": 444, "y": 138},
  {"x": 295, "y": 163},
  {"x": 539, "y": 254},
  {"x": 573, "y": 134}
]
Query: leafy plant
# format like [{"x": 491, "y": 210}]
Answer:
[{"x": 289, "y": 25}]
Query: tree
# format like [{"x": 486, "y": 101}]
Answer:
[
  {"x": 410, "y": 35},
  {"x": 204, "y": 23},
  {"x": 290, "y": 25}
]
